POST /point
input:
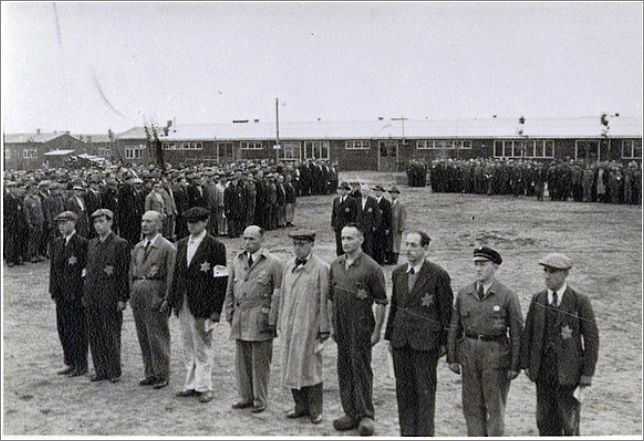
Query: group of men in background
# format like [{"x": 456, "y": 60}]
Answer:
[
  {"x": 600, "y": 181},
  {"x": 236, "y": 195}
]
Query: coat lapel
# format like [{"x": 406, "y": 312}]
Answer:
[
  {"x": 423, "y": 276},
  {"x": 200, "y": 250}
]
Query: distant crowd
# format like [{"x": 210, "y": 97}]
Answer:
[
  {"x": 600, "y": 181},
  {"x": 237, "y": 194}
]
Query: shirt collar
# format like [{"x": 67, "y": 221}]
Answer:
[
  {"x": 348, "y": 263},
  {"x": 560, "y": 293},
  {"x": 153, "y": 240},
  {"x": 416, "y": 268},
  {"x": 68, "y": 238}
]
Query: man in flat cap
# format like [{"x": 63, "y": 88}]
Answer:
[
  {"x": 106, "y": 292},
  {"x": 559, "y": 348},
  {"x": 35, "y": 221},
  {"x": 398, "y": 225},
  {"x": 421, "y": 307},
  {"x": 68, "y": 258},
  {"x": 76, "y": 203},
  {"x": 382, "y": 234},
  {"x": 252, "y": 306},
  {"x": 484, "y": 343},
  {"x": 15, "y": 224},
  {"x": 368, "y": 218},
  {"x": 304, "y": 325},
  {"x": 345, "y": 210},
  {"x": 151, "y": 270},
  {"x": 197, "y": 295}
]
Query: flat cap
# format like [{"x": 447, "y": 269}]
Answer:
[
  {"x": 557, "y": 261},
  {"x": 66, "y": 216},
  {"x": 44, "y": 183},
  {"x": 344, "y": 186},
  {"x": 487, "y": 253},
  {"x": 103, "y": 212},
  {"x": 302, "y": 235},
  {"x": 195, "y": 214},
  {"x": 78, "y": 186},
  {"x": 394, "y": 189}
]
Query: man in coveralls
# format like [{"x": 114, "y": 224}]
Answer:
[{"x": 356, "y": 283}]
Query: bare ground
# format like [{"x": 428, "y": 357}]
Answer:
[{"x": 604, "y": 240}]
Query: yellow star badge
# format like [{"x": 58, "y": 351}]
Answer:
[
  {"x": 566, "y": 332},
  {"x": 205, "y": 267},
  {"x": 361, "y": 294},
  {"x": 427, "y": 300},
  {"x": 72, "y": 260},
  {"x": 109, "y": 270}
]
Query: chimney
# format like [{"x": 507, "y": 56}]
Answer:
[
  {"x": 493, "y": 116},
  {"x": 174, "y": 124},
  {"x": 256, "y": 120},
  {"x": 380, "y": 118},
  {"x": 240, "y": 121},
  {"x": 38, "y": 132}
]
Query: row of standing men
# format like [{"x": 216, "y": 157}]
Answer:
[{"x": 481, "y": 331}]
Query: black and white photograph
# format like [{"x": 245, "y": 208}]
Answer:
[{"x": 321, "y": 219}]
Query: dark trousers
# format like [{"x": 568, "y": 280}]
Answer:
[
  {"x": 378, "y": 246},
  {"x": 367, "y": 245},
  {"x": 415, "y": 390},
  {"x": 308, "y": 400},
  {"x": 70, "y": 321},
  {"x": 338, "y": 243},
  {"x": 104, "y": 332},
  {"x": 557, "y": 410},
  {"x": 355, "y": 377}
]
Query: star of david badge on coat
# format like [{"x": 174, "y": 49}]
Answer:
[
  {"x": 361, "y": 294},
  {"x": 109, "y": 270},
  {"x": 72, "y": 260},
  {"x": 205, "y": 267},
  {"x": 153, "y": 271},
  {"x": 427, "y": 300},
  {"x": 566, "y": 332}
]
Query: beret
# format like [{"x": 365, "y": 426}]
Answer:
[
  {"x": 557, "y": 261},
  {"x": 487, "y": 254},
  {"x": 66, "y": 216},
  {"x": 302, "y": 235},
  {"x": 196, "y": 214}
]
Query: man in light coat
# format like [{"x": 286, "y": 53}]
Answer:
[
  {"x": 398, "y": 224},
  {"x": 252, "y": 304},
  {"x": 304, "y": 326},
  {"x": 151, "y": 270}
]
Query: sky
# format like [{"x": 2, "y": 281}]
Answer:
[{"x": 90, "y": 67}]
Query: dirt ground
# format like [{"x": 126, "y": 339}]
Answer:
[{"x": 604, "y": 240}]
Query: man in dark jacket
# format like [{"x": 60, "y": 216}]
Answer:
[
  {"x": 559, "y": 349},
  {"x": 368, "y": 218},
  {"x": 15, "y": 224},
  {"x": 382, "y": 235},
  {"x": 421, "y": 307},
  {"x": 345, "y": 210},
  {"x": 68, "y": 258},
  {"x": 106, "y": 292},
  {"x": 197, "y": 296},
  {"x": 235, "y": 200}
]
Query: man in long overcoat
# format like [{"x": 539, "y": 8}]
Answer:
[
  {"x": 398, "y": 224},
  {"x": 304, "y": 326}
]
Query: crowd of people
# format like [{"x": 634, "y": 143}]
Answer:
[
  {"x": 601, "y": 181},
  {"x": 237, "y": 194}
]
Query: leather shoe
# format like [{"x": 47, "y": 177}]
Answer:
[
  {"x": 366, "y": 427},
  {"x": 148, "y": 381},
  {"x": 115, "y": 379},
  {"x": 242, "y": 405},
  {"x": 65, "y": 371},
  {"x": 77, "y": 372},
  {"x": 316, "y": 419},
  {"x": 259, "y": 409},
  {"x": 187, "y": 393},
  {"x": 206, "y": 397},
  {"x": 160, "y": 383},
  {"x": 344, "y": 423},
  {"x": 296, "y": 413},
  {"x": 96, "y": 378}
]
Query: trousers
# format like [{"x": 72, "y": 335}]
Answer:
[
  {"x": 153, "y": 333},
  {"x": 199, "y": 350},
  {"x": 308, "y": 400},
  {"x": 253, "y": 368},
  {"x": 70, "y": 322}
]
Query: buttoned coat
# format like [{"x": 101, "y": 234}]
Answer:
[
  {"x": 204, "y": 292},
  {"x": 66, "y": 268},
  {"x": 106, "y": 279},
  {"x": 578, "y": 345},
  {"x": 252, "y": 297},
  {"x": 303, "y": 314},
  {"x": 370, "y": 217},
  {"x": 343, "y": 212},
  {"x": 151, "y": 273},
  {"x": 398, "y": 223},
  {"x": 156, "y": 203},
  {"x": 420, "y": 316}
]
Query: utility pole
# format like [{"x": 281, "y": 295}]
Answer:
[
  {"x": 402, "y": 120},
  {"x": 277, "y": 129}
]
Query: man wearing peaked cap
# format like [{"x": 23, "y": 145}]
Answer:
[
  {"x": 487, "y": 315},
  {"x": 68, "y": 259},
  {"x": 559, "y": 349}
]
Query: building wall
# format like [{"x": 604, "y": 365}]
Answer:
[{"x": 14, "y": 153}]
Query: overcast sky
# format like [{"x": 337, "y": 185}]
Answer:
[{"x": 87, "y": 67}]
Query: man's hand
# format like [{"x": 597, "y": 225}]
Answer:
[
  {"x": 512, "y": 374},
  {"x": 455, "y": 367},
  {"x": 120, "y": 306},
  {"x": 215, "y": 317},
  {"x": 375, "y": 338}
]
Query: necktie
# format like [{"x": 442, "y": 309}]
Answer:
[
  {"x": 250, "y": 260},
  {"x": 299, "y": 262},
  {"x": 147, "y": 248},
  {"x": 554, "y": 298},
  {"x": 481, "y": 292}
]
